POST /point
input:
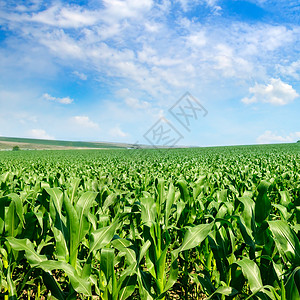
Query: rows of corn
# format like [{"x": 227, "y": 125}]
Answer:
[{"x": 214, "y": 223}]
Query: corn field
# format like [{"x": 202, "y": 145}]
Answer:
[{"x": 211, "y": 223}]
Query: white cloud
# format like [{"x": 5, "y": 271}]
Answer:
[
  {"x": 152, "y": 26},
  {"x": 187, "y": 4},
  {"x": 117, "y": 132},
  {"x": 124, "y": 92},
  {"x": 81, "y": 76},
  {"x": 137, "y": 104},
  {"x": 261, "y": 39},
  {"x": 40, "y": 134},
  {"x": 213, "y": 4},
  {"x": 150, "y": 54},
  {"x": 291, "y": 70},
  {"x": 276, "y": 93},
  {"x": 158, "y": 56},
  {"x": 65, "y": 100},
  {"x": 269, "y": 137},
  {"x": 65, "y": 17},
  {"x": 274, "y": 36},
  {"x": 62, "y": 45},
  {"x": 197, "y": 39},
  {"x": 84, "y": 121},
  {"x": 117, "y": 9}
]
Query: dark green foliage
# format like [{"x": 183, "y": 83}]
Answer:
[{"x": 207, "y": 223}]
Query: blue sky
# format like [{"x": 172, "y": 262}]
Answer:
[{"x": 108, "y": 70}]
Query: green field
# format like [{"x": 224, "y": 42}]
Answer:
[
  {"x": 201, "y": 223},
  {"x": 9, "y": 142}
]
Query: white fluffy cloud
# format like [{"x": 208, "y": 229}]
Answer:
[
  {"x": 111, "y": 41},
  {"x": 187, "y": 4},
  {"x": 81, "y": 76},
  {"x": 269, "y": 137},
  {"x": 118, "y": 9},
  {"x": 84, "y": 121},
  {"x": 40, "y": 134},
  {"x": 290, "y": 70},
  {"x": 62, "y": 45},
  {"x": 153, "y": 49},
  {"x": 276, "y": 92},
  {"x": 65, "y": 100},
  {"x": 66, "y": 17},
  {"x": 117, "y": 132},
  {"x": 137, "y": 104},
  {"x": 197, "y": 39}
]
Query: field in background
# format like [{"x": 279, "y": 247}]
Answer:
[
  {"x": 39, "y": 144},
  {"x": 198, "y": 223}
]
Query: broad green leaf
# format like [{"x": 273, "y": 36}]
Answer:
[
  {"x": 107, "y": 266},
  {"x": 286, "y": 241},
  {"x": 184, "y": 191},
  {"x": 11, "y": 285},
  {"x": 19, "y": 206},
  {"x": 293, "y": 285},
  {"x": 248, "y": 211},
  {"x": 143, "y": 250},
  {"x": 61, "y": 247},
  {"x": 25, "y": 245},
  {"x": 123, "y": 246},
  {"x": 161, "y": 270},
  {"x": 173, "y": 274},
  {"x": 251, "y": 273},
  {"x": 148, "y": 211},
  {"x": 11, "y": 220},
  {"x": 110, "y": 200},
  {"x": 262, "y": 203},
  {"x": 224, "y": 290},
  {"x": 144, "y": 286},
  {"x": 3, "y": 202},
  {"x": 4, "y": 177},
  {"x": 127, "y": 286},
  {"x": 79, "y": 284},
  {"x": 39, "y": 216},
  {"x": 75, "y": 185},
  {"x": 73, "y": 227},
  {"x": 56, "y": 196},
  {"x": 169, "y": 202},
  {"x": 285, "y": 199},
  {"x": 193, "y": 237},
  {"x": 198, "y": 186},
  {"x": 180, "y": 205},
  {"x": 222, "y": 196},
  {"x": 160, "y": 187},
  {"x": 283, "y": 211},
  {"x": 101, "y": 237},
  {"x": 59, "y": 227},
  {"x": 82, "y": 207}
]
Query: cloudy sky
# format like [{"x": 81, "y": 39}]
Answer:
[{"x": 108, "y": 70}]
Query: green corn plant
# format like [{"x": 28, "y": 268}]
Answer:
[{"x": 222, "y": 224}]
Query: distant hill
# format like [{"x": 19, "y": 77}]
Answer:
[{"x": 7, "y": 143}]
